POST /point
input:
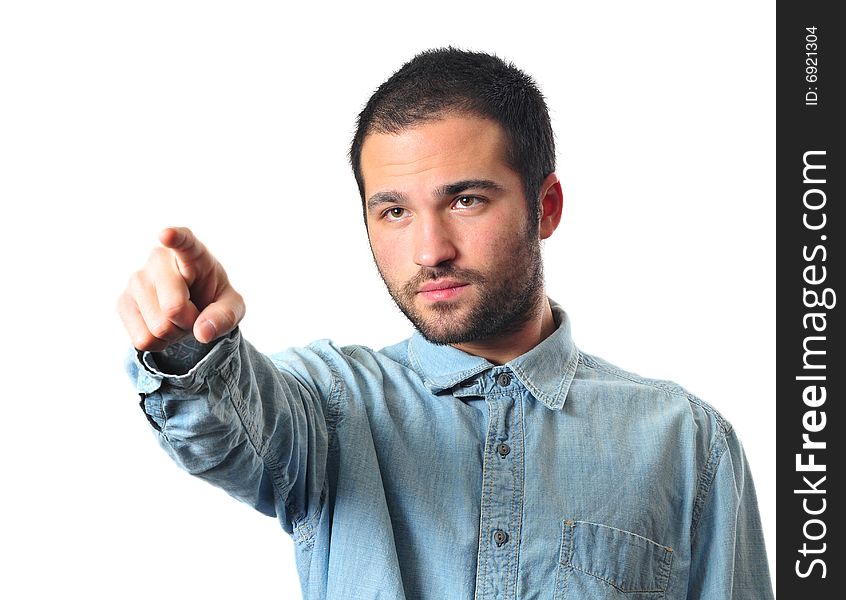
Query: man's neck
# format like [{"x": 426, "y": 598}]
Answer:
[{"x": 503, "y": 348}]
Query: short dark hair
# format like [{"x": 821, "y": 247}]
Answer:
[{"x": 441, "y": 81}]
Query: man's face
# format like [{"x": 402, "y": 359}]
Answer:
[{"x": 448, "y": 226}]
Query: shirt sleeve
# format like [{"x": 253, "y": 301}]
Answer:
[
  {"x": 242, "y": 423},
  {"x": 728, "y": 556}
]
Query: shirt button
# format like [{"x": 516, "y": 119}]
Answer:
[
  {"x": 504, "y": 379},
  {"x": 503, "y": 449},
  {"x": 500, "y": 537}
]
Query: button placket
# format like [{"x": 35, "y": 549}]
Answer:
[{"x": 502, "y": 489}]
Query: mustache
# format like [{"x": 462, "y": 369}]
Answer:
[{"x": 425, "y": 274}]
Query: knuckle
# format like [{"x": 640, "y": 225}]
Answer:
[
  {"x": 162, "y": 329},
  {"x": 142, "y": 340},
  {"x": 158, "y": 252},
  {"x": 136, "y": 282},
  {"x": 158, "y": 258},
  {"x": 172, "y": 310},
  {"x": 139, "y": 285}
]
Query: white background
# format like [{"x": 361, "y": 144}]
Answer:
[{"x": 118, "y": 118}]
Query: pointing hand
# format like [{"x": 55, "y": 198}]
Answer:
[{"x": 180, "y": 291}]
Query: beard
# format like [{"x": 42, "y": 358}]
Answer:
[{"x": 505, "y": 299}]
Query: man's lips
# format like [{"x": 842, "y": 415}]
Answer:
[
  {"x": 440, "y": 284},
  {"x": 442, "y": 289}
]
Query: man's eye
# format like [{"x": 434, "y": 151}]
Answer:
[
  {"x": 467, "y": 202},
  {"x": 395, "y": 213}
]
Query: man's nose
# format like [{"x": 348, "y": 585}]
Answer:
[{"x": 434, "y": 243}]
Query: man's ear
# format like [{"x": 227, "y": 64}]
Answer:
[{"x": 551, "y": 205}]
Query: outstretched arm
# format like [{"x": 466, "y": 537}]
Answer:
[{"x": 223, "y": 411}]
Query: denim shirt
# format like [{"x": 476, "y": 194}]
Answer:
[{"x": 420, "y": 471}]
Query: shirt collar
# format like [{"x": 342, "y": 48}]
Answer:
[{"x": 546, "y": 370}]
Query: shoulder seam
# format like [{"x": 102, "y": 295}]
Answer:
[
  {"x": 590, "y": 362},
  {"x": 333, "y": 408},
  {"x": 669, "y": 388},
  {"x": 724, "y": 425}
]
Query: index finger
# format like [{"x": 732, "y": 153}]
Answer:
[
  {"x": 192, "y": 257},
  {"x": 183, "y": 242}
]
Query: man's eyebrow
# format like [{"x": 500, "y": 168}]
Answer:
[
  {"x": 451, "y": 189},
  {"x": 389, "y": 197},
  {"x": 446, "y": 190}
]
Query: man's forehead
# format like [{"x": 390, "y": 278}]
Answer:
[
  {"x": 456, "y": 147},
  {"x": 450, "y": 131}
]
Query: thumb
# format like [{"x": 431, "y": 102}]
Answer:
[{"x": 220, "y": 317}]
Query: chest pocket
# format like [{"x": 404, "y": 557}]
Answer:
[{"x": 597, "y": 561}]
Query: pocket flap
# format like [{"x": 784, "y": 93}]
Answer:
[{"x": 629, "y": 562}]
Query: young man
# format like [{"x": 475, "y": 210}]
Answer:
[{"x": 484, "y": 457}]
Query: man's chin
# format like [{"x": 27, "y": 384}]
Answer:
[
  {"x": 443, "y": 337},
  {"x": 442, "y": 323}
]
